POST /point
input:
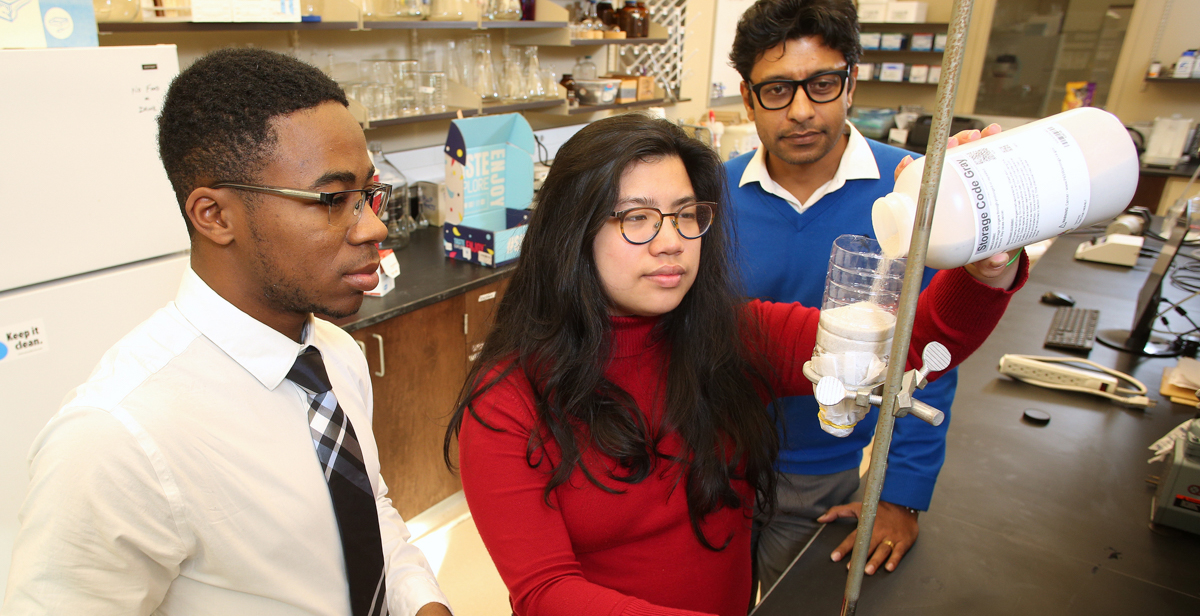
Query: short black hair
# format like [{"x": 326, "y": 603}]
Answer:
[
  {"x": 770, "y": 22},
  {"x": 215, "y": 124}
]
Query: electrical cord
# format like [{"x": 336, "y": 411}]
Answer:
[
  {"x": 543, "y": 153},
  {"x": 1135, "y": 397}
]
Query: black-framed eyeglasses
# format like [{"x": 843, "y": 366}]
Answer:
[
  {"x": 639, "y": 225},
  {"x": 345, "y": 206},
  {"x": 820, "y": 88}
]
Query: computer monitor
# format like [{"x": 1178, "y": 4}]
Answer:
[{"x": 1140, "y": 339}]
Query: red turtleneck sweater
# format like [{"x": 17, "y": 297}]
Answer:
[{"x": 633, "y": 552}]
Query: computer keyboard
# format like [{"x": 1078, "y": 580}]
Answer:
[{"x": 1073, "y": 329}]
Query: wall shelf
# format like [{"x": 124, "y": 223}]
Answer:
[
  {"x": 189, "y": 26},
  {"x": 904, "y": 83},
  {"x": 880, "y": 52},
  {"x": 627, "y": 41},
  {"x": 452, "y": 112},
  {"x": 1172, "y": 80},
  {"x": 903, "y": 27},
  {"x": 582, "y": 109}
]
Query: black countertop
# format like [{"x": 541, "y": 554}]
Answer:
[
  {"x": 426, "y": 277},
  {"x": 1032, "y": 519}
]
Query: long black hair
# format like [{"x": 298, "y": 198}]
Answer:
[{"x": 553, "y": 326}]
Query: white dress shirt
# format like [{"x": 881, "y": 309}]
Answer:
[
  {"x": 181, "y": 479},
  {"x": 858, "y": 163}
]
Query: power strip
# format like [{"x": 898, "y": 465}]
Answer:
[{"x": 1052, "y": 373}]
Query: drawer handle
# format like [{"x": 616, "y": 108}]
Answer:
[
  {"x": 362, "y": 346},
  {"x": 381, "y": 370}
]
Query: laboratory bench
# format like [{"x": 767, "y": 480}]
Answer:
[{"x": 1027, "y": 518}]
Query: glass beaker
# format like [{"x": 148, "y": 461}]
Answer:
[
  {"x": 406, "y": 87},
  {"x": 445, "y": 10},
  {"x": 376, "y": 10},
  {"x": 431, "y": 91},
  {"x": 410, "y": 10},
  {"x": 503, "y": 10}
]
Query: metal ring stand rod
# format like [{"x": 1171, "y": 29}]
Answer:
[{"x": 939, "y": 133}]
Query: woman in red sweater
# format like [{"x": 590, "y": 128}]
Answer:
[{"x": 615, "y": 435}]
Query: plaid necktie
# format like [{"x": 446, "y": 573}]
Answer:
[{"x": 353, "y": 499}]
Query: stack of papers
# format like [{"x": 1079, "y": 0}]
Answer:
[{"x": 1181, "y": 382}]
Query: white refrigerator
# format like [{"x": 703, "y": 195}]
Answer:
[{"x": 92, "y": 240}]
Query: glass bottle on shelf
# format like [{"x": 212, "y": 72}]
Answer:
[
  {"x": 399, "y": 233},
  {"x": 568, "y": 82},
  {"x": 641, "y": 5},
  {"x": 528, "y": 10},
  {"x": 595, "y": 27},
  {"x": 605, "y": 13},
  {"x": 584, "y": 69},
  {"x": 632, "y": 20}
]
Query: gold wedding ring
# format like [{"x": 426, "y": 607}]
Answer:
[{"x": 888, "y": 542}]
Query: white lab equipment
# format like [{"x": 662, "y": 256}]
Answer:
[
  {"x": 102, "y": 249},
  {"x": 1031, "y": 183}
]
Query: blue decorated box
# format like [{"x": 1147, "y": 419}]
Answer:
[{"x": 489, "y": 185}]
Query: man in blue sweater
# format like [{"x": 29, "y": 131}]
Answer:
[{"x": 815, "y": 178}]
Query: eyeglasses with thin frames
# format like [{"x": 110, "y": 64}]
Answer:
[
  {"x": 345, "y": 206},
  {"x": 824, "y": 87},
  {"x": 640, "y": 225}
]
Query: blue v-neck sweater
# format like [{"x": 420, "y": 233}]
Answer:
[{"x": 784, "y": 257}]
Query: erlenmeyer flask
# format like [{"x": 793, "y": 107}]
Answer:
[
  {"x": 533, "y": 74},
  {"x": 513, "y": 86},
  {"x": 486, "y": 85}
]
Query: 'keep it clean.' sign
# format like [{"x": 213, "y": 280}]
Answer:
[{"x": 22, "y": 339}]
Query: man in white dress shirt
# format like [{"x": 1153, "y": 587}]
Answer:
[{"x": 182, "y": 478}]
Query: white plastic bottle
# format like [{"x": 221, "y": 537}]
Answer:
[{"x": 1024, "y": 185}]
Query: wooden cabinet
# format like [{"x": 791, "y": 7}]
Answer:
[{"x": 419, "y": 362}]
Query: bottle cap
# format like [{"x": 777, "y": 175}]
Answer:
[{"x": 893, "y": 218}]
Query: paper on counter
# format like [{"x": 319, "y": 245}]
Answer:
[{"x": 1186, "y": 374}]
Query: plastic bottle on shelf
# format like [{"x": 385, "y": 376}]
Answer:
[
  {"x": 1183, "y": 68},
  {"x": 1024, "y": 185},
  {"x": 584, "y": 69}
]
